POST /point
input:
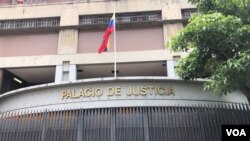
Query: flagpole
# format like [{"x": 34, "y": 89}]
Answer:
[{"x": 115, "y": 75}]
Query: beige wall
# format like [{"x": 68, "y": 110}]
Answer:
[
  {"x": 140, "y": 39},
  {"x": 59, "y": 47},
  {"x": 68, "y": 11},
  {"x": 28, "y": 44},
  {"x": 5, "y": 2},
  {"x": 127, "y": 40},
  {"x": 171, "y": 29},
  {"x": 88, "y": 58},
  {"x": 68, "y": 41},
  {"x": 89, "y": 41},
  {"x": 171, "y": 9}
]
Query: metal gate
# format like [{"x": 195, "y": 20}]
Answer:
[{"x": 198, "y": 123}]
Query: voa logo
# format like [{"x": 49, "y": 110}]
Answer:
[{"x": 236, "y": 132}]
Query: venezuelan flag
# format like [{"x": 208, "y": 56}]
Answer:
[{"x": 105, "y": 42}]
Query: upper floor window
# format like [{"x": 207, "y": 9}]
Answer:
[
  {"x": 121, "y": 18},
  {"x": 94, "y": 19},
  {"x": 29, "y": 23},
  {"x": 14, "y": 2},
  {"x": 28, "y": 1},
  {"x": 139, "y": 17},
  {"x": 186, "y": 13}
]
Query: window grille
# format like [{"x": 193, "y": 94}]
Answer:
[
  {"x": 59, "y": 1},
  {"x": 121, "y": 18},
  {"x": 30, "y": 1},
  {"x": 29, "y": 23},
  {"x": 90, "y": 20},
  {"x": 139, "y": 17},
  {"x": 186, "y": 13},
  {"x": 175, "y": 123}
]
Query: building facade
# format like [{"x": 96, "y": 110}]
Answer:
[{"x": 55, "y": 86}]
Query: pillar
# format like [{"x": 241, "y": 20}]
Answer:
[{"x": 65, "y": 72}]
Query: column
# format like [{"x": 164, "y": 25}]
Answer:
[
  {"x": 68, "y": 41},
  {"x": 1, "y": 80},
  {"x": 67, "y": 44},
  {"x": 65, "y": 72},
  {"x": 68, "y": 37},
  {"x": 171, "y": 10},
  {"x": 170, "y": 69}
]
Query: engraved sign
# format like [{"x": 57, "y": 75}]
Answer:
[{"x": 129, "y": 91}]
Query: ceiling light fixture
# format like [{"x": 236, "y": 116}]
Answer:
[
  {"x": 18, "y": 80},
  {"x": 114, "y": 71},
  {"x": 79, "y": 70}
]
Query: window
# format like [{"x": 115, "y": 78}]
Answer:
[
  {"x": 186, "y": 13},
  {"x": 29, "y": 23},
  {"x": 121, "y": 18}
]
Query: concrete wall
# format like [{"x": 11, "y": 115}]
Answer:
[
  {"x": 140, "y": 39},
  {"x": 87, "y": 58},
  {"x": 5, "y": 2},
  {"x": 170, "y": 8},
  {"x": 69, "y": 10},
  {"x": 170, "y": 30},
  {"x": 65, "y": 45},
  {"x": 127, "y": 40},
  {"x": 115, "y": 93},
  {"x": 28, "y": 44},
  {"x": 68, "y": 41}
]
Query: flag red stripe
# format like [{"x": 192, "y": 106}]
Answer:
[
  {"x": 106, "y": 35},
  {"x": 104, "y": 46}
]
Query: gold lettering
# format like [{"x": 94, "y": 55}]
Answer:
[
  {"x": 117, "y": 91},
  {"x": 135, "y": 91},
  {"x": 81, "y": 93},
  {"x": 98, "y": 92},
  {"x": 151, "y": 89},
  {"x": 160, "y": 91},
  {"x": 88, "y": 92},
  {"x": 111, "y": 91},
  {"x": 144, "y": 90},
  {"x": 129, "y": 93},
  {"x": 69, "y": 94},
  {"x": 170, "y": 91},
  {"x": 74, "y": 96},
  {"x": 64, "y": 94},
  {"x": 93, "y": 91}
]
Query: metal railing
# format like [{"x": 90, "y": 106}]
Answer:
[
  {"x": 45, "y": 2},
  {"x": 92, "y": 20},
  {"x": 123, "y": 124},
  {"x": 29, "y": 23},
  {"x": 139, "y": 17},
  {"x": 121, "y": 18},
  {"x": 186, "y": 13}
]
